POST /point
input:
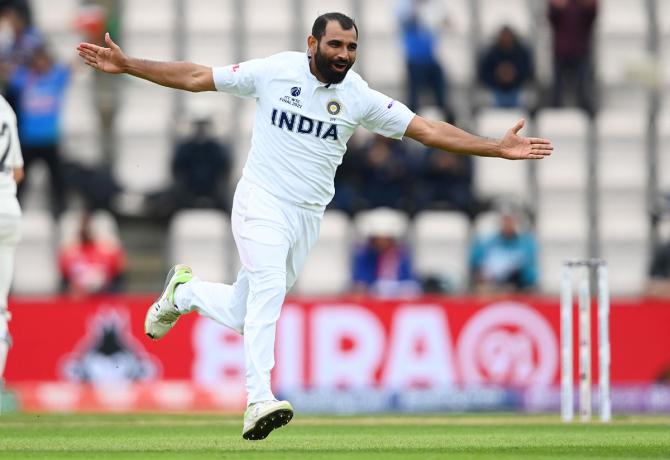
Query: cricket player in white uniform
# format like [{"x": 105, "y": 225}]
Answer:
[
  {"x": 11, "y": 172},
  {"x": 307, "y": 107}
]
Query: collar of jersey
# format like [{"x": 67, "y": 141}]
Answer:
[{"x": 317, "y": 82}]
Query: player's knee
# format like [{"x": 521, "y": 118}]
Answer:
[
  {"x": 272, "y": 284},
  {"x": 238, "y": 326}
]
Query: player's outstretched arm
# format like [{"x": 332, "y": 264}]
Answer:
[
  {"x": 444, "y": 136},
  {"x": 179, "y": 75}
]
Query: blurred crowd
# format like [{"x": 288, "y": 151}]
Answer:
[{"x": 376, "y": 172}]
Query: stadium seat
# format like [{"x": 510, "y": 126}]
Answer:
[
  {"x": 622, "y": 198},
  {"x": 312, "y": 9},
  {"x": 327, "y": 270},
  {"x": 143, "y": 137},
  {"x": 210, "y": 17},
  {"x": 380, "y": 61},
  {"x": 628, "y": 263},
  {"x": 623, "y": 213},
  {"x": 552, "y": 253},
  {"x": 378, "y": 18},
  {"x": 202, "y": 239},
  {"x": 380, "y": 56},
  {"x": 157, "y": 46},
  {"x": 440, "y": 246},
  {"x": 35, "y": 268},
  {"x": 264, "y": 45},
  {"x": 663, "y": 145},
  {"x": 52, "y": 20},
  {"x": 562, "y": 232},
  {"x": 663, "y": 20},
  {"x": 486, "y": 222},
  {"x": 498, "y": 177},
  {"x": 80, "y": 123},
  {"x": 624, "y": 232},
  {"x": 263, "y": 19},
  {"x": 458, "y": 57},
  {"x": 456, "y": 47},
  {"x": 568, "y": 130},
  {"x": 621, "y": 39},
  {"x": 542, "y": 45},
  {"x": 148, "y": 16},
  {"x": 622, "y": 149},
  {"x": 213, "y": 49},
  {"x": 391, "y": 221},
  {"x": 493, "y": 14},
  {"x": 563, "y": 213}
]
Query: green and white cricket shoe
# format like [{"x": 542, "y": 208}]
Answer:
[
  {"x": 163, "y": 313},
  {"x": 263, "y": 417}
]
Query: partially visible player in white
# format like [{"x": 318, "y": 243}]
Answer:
[
  {"x": 11, "y": 172},
  {"x": 307, "y": 107}
]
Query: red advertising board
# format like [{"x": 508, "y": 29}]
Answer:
[{"x": 327, "y": 343}]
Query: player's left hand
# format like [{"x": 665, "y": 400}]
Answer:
[{"x": 515, "y": 147}]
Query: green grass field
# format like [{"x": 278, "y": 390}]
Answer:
[{"x": 196, "y": 436}]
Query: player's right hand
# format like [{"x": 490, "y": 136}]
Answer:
[{"x": 110, "y": 60}]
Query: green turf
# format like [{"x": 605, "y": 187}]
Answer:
[{"x": 197, "y": 436}]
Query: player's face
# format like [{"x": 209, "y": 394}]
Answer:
[{"x": 335, "y": 53}]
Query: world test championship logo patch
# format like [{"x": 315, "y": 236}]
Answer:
[{"x": 334, "y": 107}]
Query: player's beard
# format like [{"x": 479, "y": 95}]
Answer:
[{"x": 323, "y": 65}]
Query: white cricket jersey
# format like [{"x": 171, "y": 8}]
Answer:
[
  {"x": 302, "y": 125},
  {"x": 10, "y": 158}
]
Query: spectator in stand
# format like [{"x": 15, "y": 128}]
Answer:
[
  {"x": 659, "y": 273},
  {"x": 382, "y": 264},
  {"x": 40, "y": 88},
  {"x": 446, "y": 182},
  {"x": 348, "y": 180},
  {"x": 18, "y": 41},
  {"x": 572, "y": 24},
  {"x": 91, "y": 265},
  {"x": 386, "y": 175},
  {"x": 420, "y": 23},
  {"x": 201, "y": 169},
  {"x": 505, "y": 67},
  {"x": 22, "y": 6},
  {"x": 18, "y": 38},
  {"x": 505, "y": 261}
]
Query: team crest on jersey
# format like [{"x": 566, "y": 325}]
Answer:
[
  {"x": 334, "y": 107},
  {"x": 295, "y": 91}
]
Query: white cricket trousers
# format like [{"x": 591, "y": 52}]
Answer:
[
  {"x": 273, "y": 238},
  {"x": 10, "y": 234}
]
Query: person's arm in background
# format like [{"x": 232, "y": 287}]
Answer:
[
  {"x": 179, "y": 75},
  {"x": 529, "y": 269},
  {"x": 405, "y": 272},
  {"x": 555, "y": 10},
  {"x": 362, "y": 275},
  {"x": 118, "y": 271},
  {"x": 658, "y": 284},
  {"x": 475, "y": 261},
  {"x": 19, "y": 174},
  {"x": 590, "y": 10}
]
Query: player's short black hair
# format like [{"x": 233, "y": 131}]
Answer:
[{"x": 319, "y": 27}]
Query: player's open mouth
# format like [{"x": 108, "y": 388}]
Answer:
[{"x": 339, "y": 67}]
